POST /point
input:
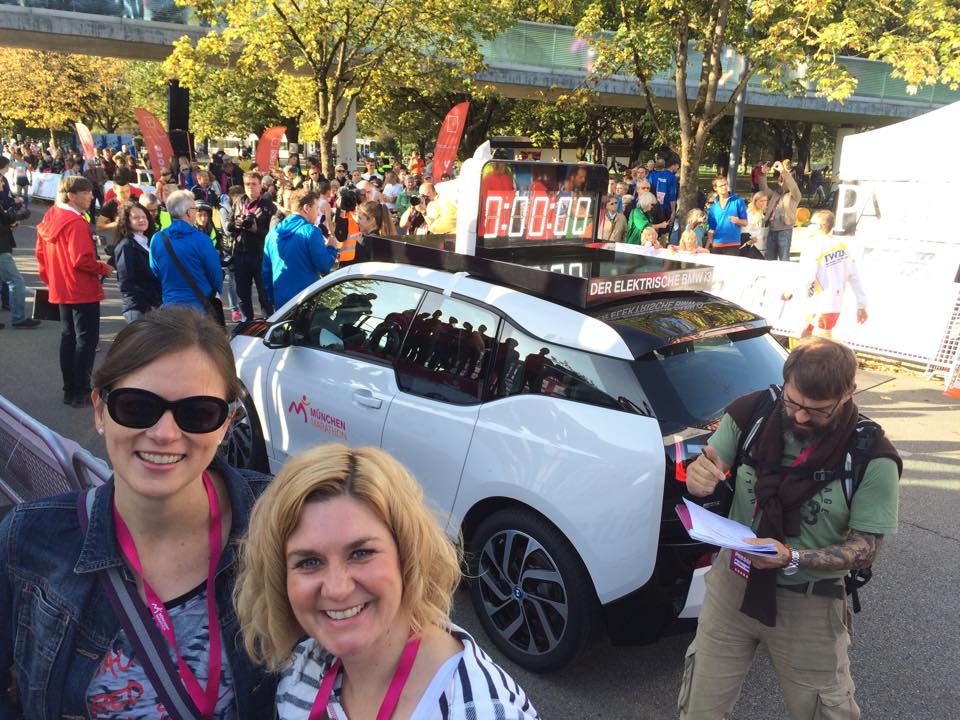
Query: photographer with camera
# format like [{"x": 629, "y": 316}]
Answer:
[
  {"x": 781, "y": 213},
  {"x": 414, "y": 219},
  {"x": 12, "y": 212},
  {"x": 248, "y": 226}
]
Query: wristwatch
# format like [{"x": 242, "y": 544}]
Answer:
[{"x": 791, "y": 567}]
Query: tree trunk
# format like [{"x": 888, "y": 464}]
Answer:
[
  {"x": 690, "y": 155},
  {"x": 326, "y": 153}
]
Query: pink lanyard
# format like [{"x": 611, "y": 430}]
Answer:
[
  {"x": 390, "y": 700},
  {"x": 206, "y": 701}
]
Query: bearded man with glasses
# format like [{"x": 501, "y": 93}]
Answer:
[{"x": 789, "y": 487}]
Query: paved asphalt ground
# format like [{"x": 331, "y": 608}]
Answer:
[{"x": 906, "y": 651}]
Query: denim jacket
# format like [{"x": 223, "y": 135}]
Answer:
[{"x": 56, "y": 624}]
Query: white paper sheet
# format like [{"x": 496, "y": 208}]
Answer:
[{"x": 711, "y": 528}]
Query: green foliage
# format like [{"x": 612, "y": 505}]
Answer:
[
  {"x": 792, "y": 44},
  {"x": 341, "y": 50}
]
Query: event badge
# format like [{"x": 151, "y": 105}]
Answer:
[{"x": 740, "y": 564}]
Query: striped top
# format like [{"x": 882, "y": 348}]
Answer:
[{"x": 479, "y": 689}]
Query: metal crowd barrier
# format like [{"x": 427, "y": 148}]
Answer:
[{"x": 36, "y": 462}]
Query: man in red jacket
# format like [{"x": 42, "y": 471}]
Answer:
[{"x": 69, "y": 267}]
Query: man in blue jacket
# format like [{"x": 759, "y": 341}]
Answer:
[
  {"x": 295, "y": 253},
  {"x": 194, "y": 251}
]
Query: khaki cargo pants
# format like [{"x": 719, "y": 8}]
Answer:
[{"x": 808, "y": 648}]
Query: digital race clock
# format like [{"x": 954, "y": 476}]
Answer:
[{"x": 531, "y": 203}]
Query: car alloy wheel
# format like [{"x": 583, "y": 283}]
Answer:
[
  {"x": 523, "y": 593},
  {"x": 530, "y": 590}
]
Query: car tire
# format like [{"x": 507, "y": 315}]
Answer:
[
  {"x": 243, "y": 445},
  {"x": 531, "y": 590}
]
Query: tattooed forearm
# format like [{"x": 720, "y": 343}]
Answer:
[{"x": 859, "y": 550}]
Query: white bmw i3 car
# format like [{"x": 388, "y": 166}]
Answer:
[{"x": 548, "y": 418}]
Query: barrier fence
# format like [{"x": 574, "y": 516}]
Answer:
[{"x": 36, "y": 462}]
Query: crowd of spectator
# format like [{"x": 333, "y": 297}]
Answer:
[{"x": 721, "y": 222}]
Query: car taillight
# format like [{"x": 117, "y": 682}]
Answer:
[
  {"x": 679, "y": 464},
  {"x": 705, "y": 560}
]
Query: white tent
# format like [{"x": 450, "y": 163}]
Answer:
[{"x": 924, "y": 149}]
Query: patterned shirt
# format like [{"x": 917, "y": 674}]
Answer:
[
  {"x": 121, "y": 689},
  {"x": 477, "y": 687}
]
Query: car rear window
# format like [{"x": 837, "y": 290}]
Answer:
[{"x": 689, "y": 384}]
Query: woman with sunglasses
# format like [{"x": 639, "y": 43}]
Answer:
[{"x": 117, "y": 603}]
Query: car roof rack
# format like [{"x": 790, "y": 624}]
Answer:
[{"x": 579, "y": 276}]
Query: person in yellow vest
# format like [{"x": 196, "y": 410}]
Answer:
[
  {"x": 161, "y": 218},
  {"x": 204, "y": 223}
]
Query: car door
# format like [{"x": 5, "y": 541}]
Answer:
[
  {"x": 440, "y": 374},
  {"x": 336, "y": 383}
]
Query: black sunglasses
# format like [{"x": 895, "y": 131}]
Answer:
[{"x": 141, "y": 409}]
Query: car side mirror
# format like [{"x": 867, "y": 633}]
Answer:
[{"x": 279, "y": 336}]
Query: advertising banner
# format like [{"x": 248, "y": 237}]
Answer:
[
  {"x": 268, "y": 149},
  {"x": 448, "y": 140},
  {"x": 913, "y": 329},
  {"x": 86, "y": 142},
  {"x": 156, "y": 140}
]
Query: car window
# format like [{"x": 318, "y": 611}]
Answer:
[
  {"x": 525, "y": 364},
  {"x": 446, "y": 351},
  {"x": 360, "y": 317},
  {"x": 689, "y": 384}
]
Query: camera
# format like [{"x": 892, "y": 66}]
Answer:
[
  {"x": 349, "y": 199},
  {"x": 15, "y": 213},
  {"x": 414, "y": 199},
  {"x": 247, "y": 222}
]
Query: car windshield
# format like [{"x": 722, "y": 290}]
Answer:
[{"x": 689, "y": 384}]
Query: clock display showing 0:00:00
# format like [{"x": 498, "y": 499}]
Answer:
[{"x": 517, "y": 217}]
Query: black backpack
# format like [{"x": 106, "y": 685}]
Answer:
[{"x": 856, "y": 459}]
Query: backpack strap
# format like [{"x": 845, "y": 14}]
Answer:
[
  {"x": 751, "y": 431},
  {"x": 859, "y": 452}
]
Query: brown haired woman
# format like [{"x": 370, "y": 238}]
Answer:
[
  {"x": 139, "y": 287},
  {"x": 116, "y": 603}
]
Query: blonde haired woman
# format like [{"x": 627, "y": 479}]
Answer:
[
  {"x": 343, "y": 550},
  {"x": 757, "y": 221}
]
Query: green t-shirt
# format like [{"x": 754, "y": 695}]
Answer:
[{"x": 825, "y": 518}]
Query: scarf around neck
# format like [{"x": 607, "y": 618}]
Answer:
[{"x": 782, "y": 491}]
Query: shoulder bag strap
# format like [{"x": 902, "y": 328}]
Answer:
[
  {"x": 183, "y": 271},
  {"x": 150, "y": 647}
]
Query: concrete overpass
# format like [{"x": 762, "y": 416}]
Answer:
[{"x": 525, "y": 60}]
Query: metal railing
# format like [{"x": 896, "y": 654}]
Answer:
[{"x": 36, "y": 462}]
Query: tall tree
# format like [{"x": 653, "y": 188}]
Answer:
[
  {"x": 776, "y": 37},
  {"x": 51, "y": 90},
  {"x": 344, "y": 49},
  {"x": 224, "y": 99},
  {"x": 413, "y": 113}
]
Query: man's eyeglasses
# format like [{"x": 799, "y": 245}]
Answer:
[
  {"x": 142, "y": 409},
  {"x": 820, "y": 413}
]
